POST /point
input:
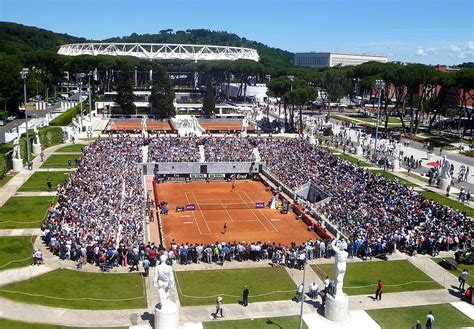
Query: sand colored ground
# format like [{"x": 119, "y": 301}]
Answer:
[
  {"x": 245, "y": 224},
  {"x": 222, "y": 125},
  {"x": 152, "y": 125}
]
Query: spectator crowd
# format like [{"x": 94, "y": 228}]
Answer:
[{"x": 99, "y": 217}]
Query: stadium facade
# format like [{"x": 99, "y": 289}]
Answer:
[{"x": 317, "y": 60}]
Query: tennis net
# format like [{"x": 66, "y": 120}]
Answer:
[{"x": 225, "y": 206}]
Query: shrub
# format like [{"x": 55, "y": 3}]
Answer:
[
  {"x": 64, "y": 119},
  {"x": 50, "y": 136}
]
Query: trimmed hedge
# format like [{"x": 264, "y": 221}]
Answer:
[
  {"x": 50, "y": 136},
  {"x": 64, "y": 119}
]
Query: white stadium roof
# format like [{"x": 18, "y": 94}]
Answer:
[{"x": 160, "y": 51}]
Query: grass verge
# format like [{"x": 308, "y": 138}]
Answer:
[
  {"x": 80, "y": 290},
  {"x": 74, "y": 148},
  {"x": 284, "y": 322},
  {"x": 38, "y": 181},
  {"x": 24, "y": 212},
  {"x": 5, "y": 179},
  {"x": 15, "y": 251},
  {"x": 457, "y": 272},
  {"x": 61, "y": 161},
  {"x": 448, "y": 202},
  {"x": 390, "y": 176},
  {"x": 194, "y": 286},
  {"x": 361, "y": 277},
  {"x": 354, "y": 160},
  {"x": 446, "y": 317}
]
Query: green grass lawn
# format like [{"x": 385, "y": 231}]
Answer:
[
  {"x": 232, "y": 282},
  {"x": 60, "y": 161},
  {"x": 15, "y": 251},
  {"x": 354, "y": 160},
  {"x": 391, "y": 120},
  {"x": 24, "y": 212},
  {"x": 448, "y": 202},
  {"x": 74, "y": 148},
  {"x": 37, "y": 182},
  {"x": 445, "y": 315},
  {"x": 390, "y": 176},
  {"x": 13, "y": 324},
  {"x": 284, "y": 322},
  {"x": 366, "y": 274},
  {"x": 457, "y": 273},
  {"x": 5, "y": 180},
  {"x": 74, "y": 285}
]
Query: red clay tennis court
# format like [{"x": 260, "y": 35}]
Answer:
[
  {"x": 152, "y": 125},
  {"x": 221, "y": 126},
  {"x": 215, "y": 205}
]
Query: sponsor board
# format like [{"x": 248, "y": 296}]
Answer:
[{"x": 198, "y": 177}]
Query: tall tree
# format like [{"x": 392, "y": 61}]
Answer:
[
  {"x": 125, "y": 93},
  {"x": 209, "y": 104},
  {"x": 162, "y": 95}
]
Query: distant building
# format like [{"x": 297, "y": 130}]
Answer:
[{"x": 315, "y": 60}]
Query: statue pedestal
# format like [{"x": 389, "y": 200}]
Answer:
[
  {"x": 429, "y": 155},
  {"x": 36, "y": 148},
  {"x": 17, "y": 164},
  {"x": 444, "y": 183},
  {"x": 243, "y": 133},
  {"x": 312, "y": 140},
  {"x": 396, "y": 164},
  {"x": 359, "y": 150},
  {"x": 336, "y": 309},
  {"x": 166, "y": 315}
]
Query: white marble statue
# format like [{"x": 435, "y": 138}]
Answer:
[
  {"x": 164, "y": 279},
  {"x": 396, "y": 151},
  {"x": 16, "y": 148},
  {"x": 341, "y": 255},
  {"x": 144, "y": 127},
  {"x": 37, "y": 139},
  {"x": 445, "y": 169}
]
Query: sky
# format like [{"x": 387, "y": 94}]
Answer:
[{"x": 420, "y": 31}]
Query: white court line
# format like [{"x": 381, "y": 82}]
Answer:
[
  {"x": 195, "y": 220},
  {"x": 276, "y": 230},
  {"x": 238, "y": 193},
  {"x": 230, "y": 217},
  {"x": 203, "y": 217}
]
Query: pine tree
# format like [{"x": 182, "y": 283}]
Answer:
[
  {"x": 209, "y": 104},
  {"x": 125, "y": 93},
  {"x": 162, "y": 95}
]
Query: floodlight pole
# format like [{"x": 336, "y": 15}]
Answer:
[
  {"x": 302, "y": 295},
  {"x": 379, "y": 84},
  {"x": 24, "y": 76}
]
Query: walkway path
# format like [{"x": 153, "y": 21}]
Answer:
[
  {"x": 20, "y": 232},
  {"x": 12, "y": 186}
]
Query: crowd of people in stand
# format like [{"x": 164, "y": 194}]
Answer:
[
  {"x": 173, "y": 149},
  {"x": 228, "y": 149},
  {"x": 366, "y": 206},
  {"x": 99, "y": 217},
  {"x": 101, "y": 204}
]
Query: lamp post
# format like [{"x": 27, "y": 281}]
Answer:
[
  {"x": 90, "y": 95},
  {"x": 379, "y": 84},
  {"x": 79, "y": 76},
  {"x": 24, "y": 76}
]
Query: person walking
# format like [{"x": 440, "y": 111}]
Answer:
[
  {"x": 429, "y": 320},
  {"x": 245, "y": 297},
  {"x": 225, "y": 228},
  {"x": 417, "y": 325},
  {"x": 233, "y": 186},
  {"x": 378, "y": 292},
  {"x": 219, "y": 307},
  {"x": 300, "y": 293},
  {"x": 146, "y": 266},
  {"x": 314, "y": 290},
  {"x": 462, "y": 279}
]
